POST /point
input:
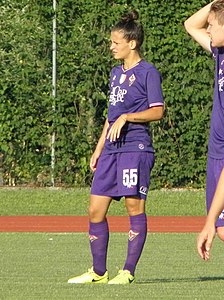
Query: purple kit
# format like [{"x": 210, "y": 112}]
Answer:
[{"x": 124, "y": 166}]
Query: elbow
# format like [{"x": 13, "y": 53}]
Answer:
[
  {"x": 187, "y": 26},
  {"x": 160, "y": 116},
  {"x": 159, "y": 113}
]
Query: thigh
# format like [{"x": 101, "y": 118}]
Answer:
[
  {"x": 214, "y": 169},
  {"x": 105, "y": 177},
  {"x": 134, "y": 174},
  {"x": 213, "y": 172}
]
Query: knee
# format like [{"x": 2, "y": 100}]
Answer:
[
  {"x": 135, "y": 207},
  {"x": 133, "y": 211},
  {"x": 220, "y": 233},
  {"x": 95, "y": 215}
]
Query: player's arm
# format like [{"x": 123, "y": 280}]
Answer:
[
  {"x": 197, "y": 25},
  {"x": 99, "y": 147},
  {"x": 207, "y": 235},
  {"x": 152, "y": 114}
]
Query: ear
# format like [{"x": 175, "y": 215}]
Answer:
[{"x": 132, "y": 44}]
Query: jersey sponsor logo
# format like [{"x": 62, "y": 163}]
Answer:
[
  {"x": 92, "y": 238},
  {"x": 122, "y": 78},
  {"x": 132, "y": 235},
  {"x": 132, "y": 79},
  {"x": 117, "y": 95},
  {"x": 143, "y": 190},
  {"x": 130, "y": 177}
]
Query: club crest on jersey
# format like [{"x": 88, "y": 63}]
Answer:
[
  {"x": 132, "y": 79},
  {"x": 92, "y": 238},
  {"x": 132, "y": 235},
  {"x": 122, "y": 78}
]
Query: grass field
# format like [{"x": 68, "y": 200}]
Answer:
[
  {"x": 22, "y": 201},
  {"x": 38, "y": 265}
]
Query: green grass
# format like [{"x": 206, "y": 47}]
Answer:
[
  {"x": 28, "y": 201},
  {"x": 37, "y": 266}
]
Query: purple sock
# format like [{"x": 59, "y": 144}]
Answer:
[
  {"x": 99, "y": 237},
  {"x": 136, "y": 241}
]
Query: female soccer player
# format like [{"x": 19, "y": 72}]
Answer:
[{"x": 124, "y": 155}]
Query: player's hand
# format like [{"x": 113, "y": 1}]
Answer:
[
  {"x": 205, "y": 240},
  {"x": 115, "y": 130},
  {"x": 93, "y": 161}
]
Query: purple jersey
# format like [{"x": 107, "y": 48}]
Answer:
[
  {"x": 133, "y": 90},
  {"x": 216, "y": 139}
]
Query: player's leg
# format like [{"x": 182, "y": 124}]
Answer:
[
  {"x": 98, "y": 238},
  {"x": 220, "y": 232},
  {"x": 136, "y": 240},
  {"x": 214, "y": 169},
  {"x": 137, "y": 234},
  {"x": 98, "y": 227},
  {"x": 99, "y": 232},
  {"x": 137, "y": 178}
]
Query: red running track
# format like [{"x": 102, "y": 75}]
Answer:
[{"x": 80, "y": 224}]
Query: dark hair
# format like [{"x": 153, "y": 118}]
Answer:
[
  {"x": 132, "y": 29},
  {"x": 218, "y": 8}
]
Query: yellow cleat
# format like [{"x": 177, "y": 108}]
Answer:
[
  {"x": 90, "y": 277},
  {"x": 123, "y": 277}
]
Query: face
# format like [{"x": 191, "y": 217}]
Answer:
[
  {"x": 120, "y": 47},
  {"x": 215, "y": 30}
]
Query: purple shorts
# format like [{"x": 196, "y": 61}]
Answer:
[
  {"x": 123, "y": 174},
  {"x": 214, "y": 169}
]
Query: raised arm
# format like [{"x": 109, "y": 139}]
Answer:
[{"x": 196, "y": 26}]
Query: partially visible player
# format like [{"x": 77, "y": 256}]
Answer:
[
  {"x": 207, "y": 235},
  {"x": 206, "y": 26},
  {"x": 124, "y": 155}
]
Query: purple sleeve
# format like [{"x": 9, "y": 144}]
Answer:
[{"x": 154, "y": 89}]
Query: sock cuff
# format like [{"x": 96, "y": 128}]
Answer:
[
  {"x": 97, "y": 228},
  {"x": 138, "y": 221}
]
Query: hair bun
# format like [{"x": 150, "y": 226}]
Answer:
[{"x": 130, "y": 16}]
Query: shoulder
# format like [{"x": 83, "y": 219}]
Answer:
[
  {"x": 147, "y": 67},
  {"x": 148, "y": 71}
]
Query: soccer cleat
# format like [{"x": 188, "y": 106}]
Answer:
[
  {"x": 90, "y": 277},
  {"x": 123, "y": 277}
]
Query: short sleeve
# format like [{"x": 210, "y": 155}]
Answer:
[{"x": 154, "y": 88}]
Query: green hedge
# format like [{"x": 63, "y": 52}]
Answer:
[{"x": 27, "y": 119}]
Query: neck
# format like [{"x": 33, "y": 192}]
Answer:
[{"x": 128, "y": 64}]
